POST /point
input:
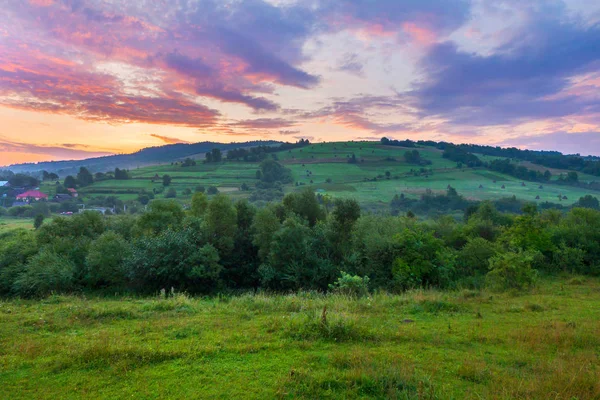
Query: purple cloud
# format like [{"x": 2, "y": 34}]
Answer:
[{"x": 521, "y": 80}]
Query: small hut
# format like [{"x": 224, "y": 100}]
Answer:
[
  {"x": 480, "y": 186},
  {"x": 565, "y": 198},
  {"x": 541, "y": 187},
  {"x": 523, "y": 184},
  {"x": 537, "y": 197},
  {"x": 503, "y": 187}
]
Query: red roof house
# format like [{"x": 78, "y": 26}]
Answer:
[
  {"x": 32, "y": 195},
  {"x": 72, "y": 192}
]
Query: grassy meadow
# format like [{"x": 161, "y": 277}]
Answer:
[
  {"x": 323, "y": 162},
  {"x": 8, "y": 224},
  {"x": 544, "y": 344}
]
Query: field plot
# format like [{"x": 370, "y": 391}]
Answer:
[{"x": 418, "y": 345}]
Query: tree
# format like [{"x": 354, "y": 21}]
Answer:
[
  {"x": 161, "y": 215},
  {"x": 212, "y": 190},
  {"x": 412, "y": 157},
  {"x": 344, "y": 216},
  {"x": 588, "y": 201},
  {"x": 38, "y": 221},
  {"x": 171, "y": 193},
  {"x": 220, "y": 219},
  {"x": 547, "y": 175},
  {"x": 264, "y": 226},
  {"x": 572, "y": 177},
  {"x": 84, "y": 177},
  {"x": 200, "y": 189},
  {"x": 181, "y": 259},
  {"x": 121, "y": 174},
  {"x": 70, "y": 182},
  {"x": 199, "y": 204},
  {"x": 216, "y": 155},
  {"x": 272, "y": 171},
  {"x": 242, "y": 263},
  {"x": 166, "y": 180},
  {"x": 305, "y": 205},
  {"x": 22, "y": 180}
]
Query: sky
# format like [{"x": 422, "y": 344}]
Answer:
[{"x": 84, "y": 78}]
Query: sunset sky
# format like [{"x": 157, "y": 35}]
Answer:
[{"x": 82, "y": 78}]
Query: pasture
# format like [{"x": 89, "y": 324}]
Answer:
[
  {"x": 418, "y": 345},
  {"x": 380, "y": 173}
]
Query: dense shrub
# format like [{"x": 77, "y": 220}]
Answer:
[
  {"x": 45, "y": 273},
  {"x": 351, "y": 285},
  {"x": 512, "y": 271},
  {"x": 106, "y": 260}
]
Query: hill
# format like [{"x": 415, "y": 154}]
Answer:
[
  {"x": 370, "y": 172},
  {"x": 144, "y": 157}
]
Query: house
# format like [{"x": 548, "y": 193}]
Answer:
[
  {"x": 32, "y": 195},
  {"x": 73, "y": 192}
]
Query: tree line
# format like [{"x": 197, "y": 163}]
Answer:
[{"x": 219, "y": 245}]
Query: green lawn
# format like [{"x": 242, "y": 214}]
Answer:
[{"x": 422, "y": 344}]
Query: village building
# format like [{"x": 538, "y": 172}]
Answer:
[
  {"x": 32, "y": 195},
  {"x": 73, "y": 192}
]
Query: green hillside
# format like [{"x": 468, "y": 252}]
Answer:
[{"x": 379, "y": 174}]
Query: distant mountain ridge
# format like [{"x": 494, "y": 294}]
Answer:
[{"x": 143, "y": 157}]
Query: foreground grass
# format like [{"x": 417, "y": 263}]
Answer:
[{"x": 423, "y": 344}]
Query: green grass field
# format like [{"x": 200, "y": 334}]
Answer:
[
  {"x": 328, "y": 161},
  {"x": 419, "y": 345},
  {"x": 7, "y": 223}
]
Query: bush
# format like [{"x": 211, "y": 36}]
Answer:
[
  {"x": 212, "y": 190},
  {"x": 180, "y": 259},
  {"x": 105, "y": 260},
  {"x": 46, "y": 272},
  {"x": 512, "y": 271},
  {"x": 423, "y": 260},
  {"x": 171, "y": 193},
  {"x": 351, "y": 285}
]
